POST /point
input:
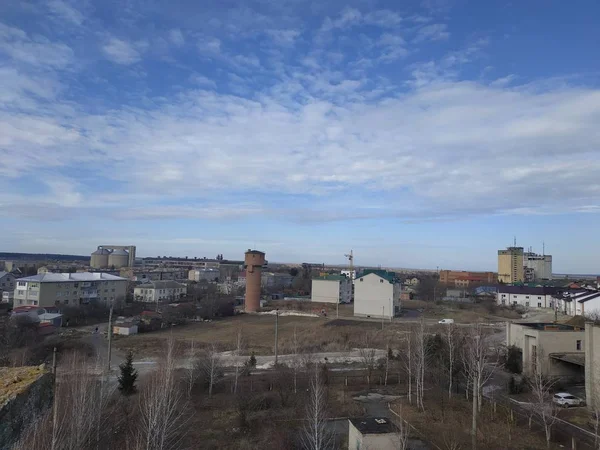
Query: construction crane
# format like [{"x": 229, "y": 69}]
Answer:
[{"x": 350, "y": 257}]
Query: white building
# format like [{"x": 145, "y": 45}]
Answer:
[
  {"x": 125, "y": 328},
  {"x": 159, "y": 291},
  {"x": 580, "y": 303},
  {"x": 377, "y": 294},
  {"x": 69, "y": 289},
  {"x": 528, "y": 297},
  {"x": 373, "y": 433},
  {"x": 537, "y": 267},
  {"x": 7, "y": 284},
  {"x": 204, "y": 274},
  {"x": 331, "y": 289},
  {"x": 349, "y": 274}
]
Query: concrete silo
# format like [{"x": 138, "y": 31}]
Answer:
[
  {"x": 253, "y": 264},
  {"x": 118, "y": 258},
  {"x": 99, "y": 259}
]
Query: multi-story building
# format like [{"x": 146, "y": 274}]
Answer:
[
  {"x": 332, "y": 289},
  {"x": 510, "y": 265},
  {"x": 377, "y": 294},
  {"x": 204, "y": 274},
  {"x": 159, "y": 291},
  {"x": 459, "y": 278},
  {"x": 528, "y": 297},
  {"x": 7, "y": 284},
  {"x": 349, "y": 274},
  {"x": 537, "y": 267},
  {"x": 71, "y": 289},
  {"x": 275, "y": 280}
]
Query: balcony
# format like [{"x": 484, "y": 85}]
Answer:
[{"x": 89, "y": 294}]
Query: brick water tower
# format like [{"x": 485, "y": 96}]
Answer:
[{"x": 253, "y": 264}]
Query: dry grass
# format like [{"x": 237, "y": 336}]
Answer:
[{"x": 16, "y": 380}]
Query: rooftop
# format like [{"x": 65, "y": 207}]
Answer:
[
  {"x": 549, "y": 326},
  {"x": 374, "y": 425},
  {"x": 386, "y": 275},
  {"x": 167, "y": 284},
  {"x": 80, "y": 276},
  {"x": 332, "y": 277}
]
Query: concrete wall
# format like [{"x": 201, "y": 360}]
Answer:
[
  {"x": 356, "y": 441},
  {"x": 375, "y": 297},
  {"x": 592, "y": 365},
  {"x": 325, "y": 291},
  {"x": 532, "y": 301},
  {"x": 590, "y": 307}
]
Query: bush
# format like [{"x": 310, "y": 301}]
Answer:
[
  {"x": 514, "y": 359},
  {"x": 515, "y": 386}
]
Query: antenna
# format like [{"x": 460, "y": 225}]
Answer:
[
  {"x": 515, "y": 241},
  {"x": 543, "y": 248}
]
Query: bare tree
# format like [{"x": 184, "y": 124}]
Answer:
[
  {"x": 315, "y": 435},
  {"x": 450, "y": 336},
  {"x": 420, "y": 354},
  {"x": 368, "y": 356},
  {"x": 192, "y": 370},
  {"x": 237, "y": 354},
  {"x": 295, "y": 359},
  {"x": 400, "y": 438},
  {"x": 212, "y": 365},
  {"x": 162, "y": 409},
  {"x": 542, "y": 405},
  {"x": 407, "y": 359}
]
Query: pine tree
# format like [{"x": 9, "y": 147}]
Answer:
[
  {"x": 128, "y": 376},
  {"x": 252, "y": 360}
]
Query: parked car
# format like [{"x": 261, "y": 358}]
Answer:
[
  {"x": 446, "y": 321},
  {"x": 565, "y": 399}
]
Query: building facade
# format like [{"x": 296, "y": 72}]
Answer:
[
  {"x": 460, "y": 278},
  {"x": 331, "y": 289},
  {"x": 592, "y": 365},
  {"x": 510, "y": 265},
  {"x": 69, "y": 289},
  {"x": 377, "y": 294},
  {"x": 581, "y": 302},
  {"x": 273, "y": 280},
  {"x": 159, "y": 291},
  {"x": 204, "y": 275},
  {"x": 370, "y": 433},
  {"x": 537, "y": 267},
  {"x": 7, "y": 284},
  {"x": 528, "y": 297}
]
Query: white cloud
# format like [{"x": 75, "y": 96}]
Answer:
[
  {"x": 210, "y": 46},
  {"x": 203, "y": 81},
  {"x": 284, "y": 37},
  {"x": 176, "y": 37},
  {"x": 433, "y": 32},
  {"x": 121, "y": 52},
  {"x": 66, "y": 11},
  {"x": 35, "y": 51}
]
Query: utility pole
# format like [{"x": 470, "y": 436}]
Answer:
[
  {"x": 382, "y": 315},
  {"x": 276, "y": 332},
  {"x": 337, "y": 309},
  {"x": 109, "y": 336}
]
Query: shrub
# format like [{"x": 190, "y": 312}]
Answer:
[{"x": 514, "y": 359}]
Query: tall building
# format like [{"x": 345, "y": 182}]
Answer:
[
  {"x": 253, "y": 264},
  {"x": 510, "y": 265},
  {"x": 537, "y": 267}
]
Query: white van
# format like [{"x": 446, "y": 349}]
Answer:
[{"x": 446, "y": 321}]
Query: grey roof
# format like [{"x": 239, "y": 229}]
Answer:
[
  {"x": 120, "y": 252},
  {"x": 80, "y": 276},
  {"x": 167, "y": 284},
  {"x": 573, "y": 358},
  {"x": 3, "y": 274},
  {"x": 374, "y": 425},
  {"x": 101, "y": 251}
]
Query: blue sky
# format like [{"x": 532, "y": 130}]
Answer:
[{"x": 421, "y": 135}]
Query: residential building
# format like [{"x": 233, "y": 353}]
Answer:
[
  {"x": 8, "y": 296},
  {"x": 537, "y": 267},
  {"x": 159, "y": 291},
  {"x": 372, "y": 433},
  {"x": 204, "y": 275},
  {"x": 377, "y": 294},
  {"x": 528, "y": 297},
  {"x": 331, "y": 289},
  {"x": 460, "y": 278},
  {"x": 510, "y": 265},
  {"x": 7, "y": 284},
  {"x": 349, "y": 274},
  {"x": 558, "y": 350},
  {"x": 275, "y": 280},
  {"x": 69, "y": 289},
  {"x": 592, "y": 365}
]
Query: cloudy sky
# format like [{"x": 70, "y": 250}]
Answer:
[{"x": 421, "y": 135}]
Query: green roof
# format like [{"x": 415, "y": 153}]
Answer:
[
  {"x": 332, "y": 278},
  {"x": 389, "y": 276}
]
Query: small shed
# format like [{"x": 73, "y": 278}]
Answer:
[
  {"x": 52, "y": 318},
  {"x": 125, "y": 328},
  {"x": 372, "y": 432}
]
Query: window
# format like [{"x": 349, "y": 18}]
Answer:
[
  {"x": 361, "y": 280},
  {"x": 22, "y": 283},
  {"x": 578, "y": 344},
  {"x": 503, "y": 295},
  {"x": 527, "y": 296},
  {"x": 514, "y": 296},
  {"x": 527, "y": 304},
  {"x": 539, "y": 304},
  {"x": 515, "y": 303},
  {"x": 66, "y": 302},
  {"x": 539, "y": 298}
]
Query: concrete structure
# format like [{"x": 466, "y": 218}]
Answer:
[
  {"x": 21, "y": 266},
  {"x": 372, "y": 433},
  {"x": 349, "y": 274},
  {"x": 159, "y": 291},
  {"x": 377, "y": 294},
  {"x": 204, "y": 275},
  {"x": 580, "y": 302},
  {"x": 70, "y": 289},
  {"x": 510, "y": 265},
  {"x": 8, "y": 297},
  {"x": 592, "y": 365},
  {"x": 459, "y": 278},
  {"x": 274, "y": 280},
  {"x": 118, "y": 256},
  {"x": 331, "y": 289},
  {"x": 125, "y": 328},
  {"x": 537, "y": 267},
  {"x": 143, "y": 276},
  {"x": 190, "y": 263},
  {"x": 7, "y": 284},
  {"x": 528, "y": 297},
  {"x": 254, "y": 261},
  {"x": 558, "y": 350}
]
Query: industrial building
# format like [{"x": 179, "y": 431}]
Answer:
[
  {"x": 70, "y": 289},
  {"x": 528, "y": 297},
  {"x": 580, "y": 302},
  {"x": 204, "y": 275},
  {"x": 190, "y": 263},
  {"x": 377, "y": 294},
  {"x": 461, "y": 279},
  {"x": 159, "y": 291},
  {"x": 537, "y": 267},
  {"x": 372, "y": 433},
  {"x": 557, "y": 350},
  {"x": 113, "y": 256},
  {"x": 331, "y": 289},
  {"x": 142, "y": 276},
  {"x": 254, "y": 261},
  {"x": 510, "y": 265}
]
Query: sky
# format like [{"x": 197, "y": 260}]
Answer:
[{"x": 419, "y": 134}]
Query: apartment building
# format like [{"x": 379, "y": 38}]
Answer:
[
  {"x": 332, "y": 289},
  {"x": 377, "y": 294},
  {"x": 204, "y": 275},
  {"x": 69, "y": 289},
  {"x": 510, "y": 265},
  {"x": 537, "y": 267},
  {"x": 159, "y": 291},
  {"x": 528, "y": 297},
  {"x": 7, "y": 284}
]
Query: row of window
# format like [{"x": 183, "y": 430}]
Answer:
[{"x": 527, "y": 296}]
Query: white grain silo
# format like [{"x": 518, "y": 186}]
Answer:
[
  {"x": 99, "y": 259},
  {"x": 118, "y": 258}
]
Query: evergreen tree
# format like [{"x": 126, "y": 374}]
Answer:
[
  {"x": 252, "y": 361},
  {"x": 128, "y": 376}
]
